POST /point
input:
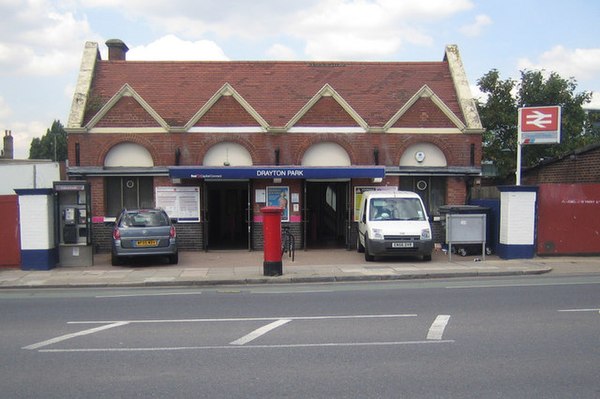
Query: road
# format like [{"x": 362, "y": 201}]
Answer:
[{"x": 460, "y": 338}]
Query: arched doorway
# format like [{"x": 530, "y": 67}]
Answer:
[
  {"x": 227, "y": 202},
  {"x": 326, "y": 201}
]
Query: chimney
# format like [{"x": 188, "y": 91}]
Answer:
[
  {"x": 8, "y": 152},
  {"x": 116, "y": 50}
]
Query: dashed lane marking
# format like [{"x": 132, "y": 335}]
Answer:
[
  {"x": 77, "y": 334},
  {"x": 436, "y": 331},
  {"x": 258, "y": 332}
]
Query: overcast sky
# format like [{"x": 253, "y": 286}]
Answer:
[{"x": 41, "y": 41}]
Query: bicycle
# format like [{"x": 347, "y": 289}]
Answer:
[{"x": 288, "y": 242}]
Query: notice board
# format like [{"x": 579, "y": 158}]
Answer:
[{"x": 181, "y": 203}]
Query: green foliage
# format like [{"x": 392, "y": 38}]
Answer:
[
  {"x": 53, "y": 145},
  {"x": 499, "y": 116}
]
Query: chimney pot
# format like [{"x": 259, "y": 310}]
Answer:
[{"x": 116, "y": 50}]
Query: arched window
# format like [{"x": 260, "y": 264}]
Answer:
[
  {"x": 128, "y": 191},
  {"x": 326, "y": 154},
  {"x": 128, "y": 154},
  {"x": 432, "y": 189},
  {"x": 227, "y": 154}
]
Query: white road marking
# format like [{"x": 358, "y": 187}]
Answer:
[
  {"x": 509, "y": 285},
  {"x": 283, "y": 346},
  {"x": 277, "y": 321},
  {"x": 142, "y": 295},
  {"x": 259, "y": 331},
  {"x": 291, "y": 292},
  {"x": 580, "y": 310},
  {"x": 376, "y": 316},
  {"x": 74, "y": 335},
  {"x": 436, "y": 331}
]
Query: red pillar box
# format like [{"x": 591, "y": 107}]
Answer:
[{"x": 272, "y": 265}]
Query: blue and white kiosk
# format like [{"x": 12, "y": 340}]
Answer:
[{"x": 517, "y": 222}]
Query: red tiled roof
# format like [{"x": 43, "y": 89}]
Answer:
[{"x": 276, "y": 90}]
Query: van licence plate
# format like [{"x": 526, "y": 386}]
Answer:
[
  {"x": 146, "y": 243},
  {"x": 402, "y": 245}
]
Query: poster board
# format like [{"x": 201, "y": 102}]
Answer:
[
  {"x": 181, "y": 203},
  {"x": 279, "y": 196}
]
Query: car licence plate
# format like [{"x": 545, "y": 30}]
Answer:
[
  {"x": 146, "y": 243},
  {"x": 402, "y": 245}
]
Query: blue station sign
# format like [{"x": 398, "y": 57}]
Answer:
[{"x": 273, "y": 172}]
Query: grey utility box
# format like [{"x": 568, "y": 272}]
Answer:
[{"x": 465, "y": 229}]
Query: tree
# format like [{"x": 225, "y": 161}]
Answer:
[
  {"x": 53, "y": 145},
  {"x": 499, "y": 117}
]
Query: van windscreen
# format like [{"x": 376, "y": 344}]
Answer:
[{"x": 396, "y": 209}]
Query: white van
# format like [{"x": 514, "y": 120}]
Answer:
[{"x": 393, "y": 223}]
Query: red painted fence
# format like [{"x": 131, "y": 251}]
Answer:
[
  {"x": 10, "y": 249},
  {"x": 568, "y": 220}
]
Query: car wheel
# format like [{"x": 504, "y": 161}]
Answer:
[
  {"x": 359, "y": 247},
  {"x": 115, "y": 260},
  {"x": 368, "y": 256},
  {"x": 427, "y": 258},
  {"x": 174, "y": 259}
]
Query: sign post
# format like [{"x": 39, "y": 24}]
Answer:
[{"x": 537, "y": 125}]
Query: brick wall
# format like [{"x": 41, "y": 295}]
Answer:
[
  {"x": 193, "y": 146},
  {"x": 189, "y": 236},
  {"x": 258, "y": 235},
  {"x": 93, "y": 149},
  {"x": 582, "y": 167},
  {"x": 227, "y": 111},
  {"x": 456, "y": 191},
  {"x": 326, "y": 112},
  {"x": 424, "y": 113},
  {"x": 127, "y": 112}
]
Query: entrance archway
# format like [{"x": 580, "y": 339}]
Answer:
[
  {"x": 227, "y": 202},
  {"x": 326, "y": 211}
]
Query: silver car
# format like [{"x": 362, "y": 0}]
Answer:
[{"x": 144, "y": 232}]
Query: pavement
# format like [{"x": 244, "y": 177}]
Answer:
[{"x": 237, "y": 267}]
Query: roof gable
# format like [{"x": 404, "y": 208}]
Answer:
[
  {"x": 326, "y": 112},
  {"x": 425, "y": 98},
  {"x": 324, "y": 99},
  {"x": 226, "y": 102},
  {"x": 126, "y": 100},
  {"x": 422, "y": 114},
  {"x": 126, "y": 112}
]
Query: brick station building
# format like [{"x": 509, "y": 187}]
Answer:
[{"x": 214, "y": 142}]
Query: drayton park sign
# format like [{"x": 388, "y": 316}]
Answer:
[{"x": 276, "y": 172}]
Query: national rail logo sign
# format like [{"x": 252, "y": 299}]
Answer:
[{"x": 539, "y": 125}]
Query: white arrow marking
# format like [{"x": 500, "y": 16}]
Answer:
[{"x": 539, "y": 119}]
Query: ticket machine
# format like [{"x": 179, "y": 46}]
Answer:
[{"x": 74, "y": 229}]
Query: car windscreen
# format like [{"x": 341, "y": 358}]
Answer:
[
  {"x": 396, "y": 209},
  {"x": 144, "y": 219}
]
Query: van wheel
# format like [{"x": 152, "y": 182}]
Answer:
[
  {"x": 426, "y": 258},
  {"x": 368, "y": 256},
  {"x": 359, "y": 247}
]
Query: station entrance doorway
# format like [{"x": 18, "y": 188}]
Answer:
[
  {"x": 326, "y": 214},
  {"x": 227, "y": 207}
]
